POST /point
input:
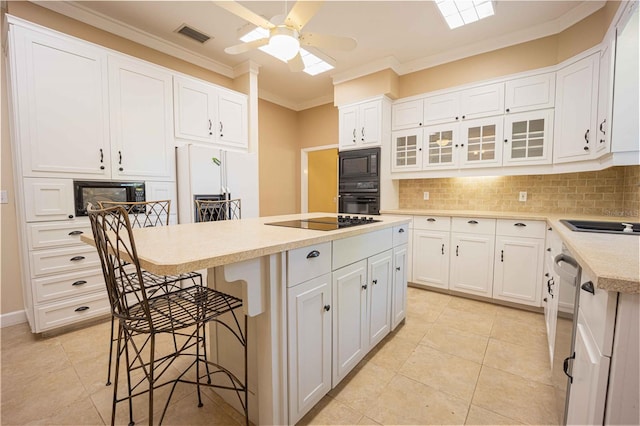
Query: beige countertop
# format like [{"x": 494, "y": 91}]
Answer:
[
  {"x": 189, "y": 247},
  {"x": 612, "y": 261}
]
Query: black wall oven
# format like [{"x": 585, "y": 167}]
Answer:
[
  {"x": 359, "y": 181},
  {"x": 85, "y": 192}
]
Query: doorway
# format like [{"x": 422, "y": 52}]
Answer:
[{"x": 319, "y": 180}]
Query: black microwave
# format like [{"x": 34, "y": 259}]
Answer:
[
  {"x": 360, "y": 163},
  {"x": 85, "y": 192}
]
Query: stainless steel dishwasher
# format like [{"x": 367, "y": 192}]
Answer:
[{"x": 569, "y": 272}]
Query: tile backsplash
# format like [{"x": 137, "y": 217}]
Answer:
[{"x": 611, "y": 192}]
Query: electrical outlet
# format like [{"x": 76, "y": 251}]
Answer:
[
  {"x": 426, "y": 195},
  {"x": 523, "y": 196},
  {"x": 3, "y": 197}
]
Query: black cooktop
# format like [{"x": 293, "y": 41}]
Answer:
[{"x": 327, "y": 223}]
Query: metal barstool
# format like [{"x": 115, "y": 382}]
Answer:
[
  {"x": 181, "y": 313},
  {"x": 214, "y": 210}
]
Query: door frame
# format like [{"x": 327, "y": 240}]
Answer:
[{"x": 304, "y": 176}]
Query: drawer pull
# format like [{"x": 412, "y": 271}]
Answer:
[
  {"x": 473, "y": 222},
  {"x": 82, "y": 308},
  {"x": 588, "y": 287},
  {"x": 519, "y": 224},
  {"x": 314, "y": 253},
  {"x": 80, "y": 282},
  {"x": 327, "y": 307},
  {"x": 401, "y": 230},
  {"x": 431, "y": 219},
  {"x": 76, "y": 258},
  {"x": 75, "y": 232}
]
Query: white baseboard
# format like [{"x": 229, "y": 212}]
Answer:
[{"x": 12, "y": 318}]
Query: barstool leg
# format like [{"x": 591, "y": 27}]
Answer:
[{"x": 110, "y": 351}]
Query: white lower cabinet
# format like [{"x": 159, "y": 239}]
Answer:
[
  {"x": 399, "y": 289},
  {"x": 349, "y": 318},
  {"x": 472, "y": 263},
  {"x": 431, "y": 258},
  {"x": 379, "y": 297},
  {"x": 309, "y": 323}
]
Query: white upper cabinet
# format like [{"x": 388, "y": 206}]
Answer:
[
  {"x": 482, "y": 101},
  {"x": 141, "y": 102},
  {"x": 530, "y": 93},
  {"x": 576, "y": 111},
  {"x": 528, "y": 137},
  {"x": 442, "y": 108},
  {"x": 61, "y": 105},
  {"x": 605, "y": 98},
  {"x": 480, "y": 142},
  {"x": 406, "y": 150},
  {"x": 441, "y": 147},
  {"x": 207, "y": 113},
  {"x": 361, "y": 125},
  {"x": 406, "y": 115}
]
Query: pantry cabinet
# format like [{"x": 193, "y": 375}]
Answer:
[
  {"x": 363, "y": 125},
  {"x": 576, "y": 111},
  {"x": 141, "y": 103},
  {"x": 208, "y": 113},
  {"x": 61, "y": 109}
]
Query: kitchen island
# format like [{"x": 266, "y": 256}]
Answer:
[{"x": 284, "y": 276}]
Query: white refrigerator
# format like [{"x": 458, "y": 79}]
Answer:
[{"x": 232, "y": 175}]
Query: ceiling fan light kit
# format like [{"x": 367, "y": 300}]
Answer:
[{"x": 284, "y": 42}]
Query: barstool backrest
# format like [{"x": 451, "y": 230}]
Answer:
[
  {"x": 214, "y": 210},
  {"x": 143, "y": 214}
]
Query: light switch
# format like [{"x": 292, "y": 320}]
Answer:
[
  {"x": 426, "y": 195},
  {"x": 523, "y": 196},
  {"x": 3, "y": 197}
]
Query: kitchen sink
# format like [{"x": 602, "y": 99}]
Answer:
[{"x": 604, "y": 227}]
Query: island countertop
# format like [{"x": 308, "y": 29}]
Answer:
[
  {"x": 613, "y": 261},
  {"x": 188, "y": 247}
]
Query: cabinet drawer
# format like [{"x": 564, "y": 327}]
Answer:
[
  {"x": 473, "y": 225},
  {"x": 521, "y": 228},
  {"x": 599, "y": 309},
  {"x": 400, "y": 235},
  {"x": 72, "y": 311},
  {"x": 352, "y": 249},
  {"x": 68, "y": 285},
  {"x": 432, "y": 223},
  {"x": 44, "y": 262},
  {"x": 308, "y": 262},
  {"x": 49, "y": 235}
]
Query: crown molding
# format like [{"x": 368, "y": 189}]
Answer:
[
  {"x": 287, "y": 103},
  {"x": 98, "y": 20},
  {"x": 382, "y": 64},
  {"x": 246, "y": 67}
]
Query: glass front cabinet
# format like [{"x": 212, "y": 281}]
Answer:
[
  {"x": 527, "y": 136},
  {"x": 441, "y": 147},
  {"x": 480, "y": 146},
  {"x": 407, "y": 150}
]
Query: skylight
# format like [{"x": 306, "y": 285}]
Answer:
[
  {"x": 312, "y": 64},
  {"x": 461, "y": 12}
]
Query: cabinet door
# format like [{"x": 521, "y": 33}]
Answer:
[
  {"x": 431, "y": 258},
  {"x": 399, "y": 289},
  {"x": 309, "y": 340},
  {"x": 472, "y": 264},
  {"x": 406, "y": 115},
  {"x": 141, "y": 107},
  {"x": 370, "y": 117},
  {"x": 349, "y": 295},
  {"x": 406, "y": 150},
  {"x": 194, "y": 104},
  {"x": 590, "y": 373},
  {"x": 576, "y": 111},
  {"x": 482, "y": 101},
  {"x": 605, "y": 98},
  {"x": 440, "y": 144},
  {"x": 530, "y": 93},
  {"x": 232, "y": 123},
  {"x": 61, "y": 106},
  {"x": 155, "y": 191},
  {"x": 379, "y": 297},
  {"x": 348, "y": 123},
  {"x": 527, "y": 138},
  {"x": 518, "y": 267},
  {"x": 442, "y": 108},
  {"x": 481, "y": 143},
  {"x": 48, "y": 199},
  {"x": 241, "y": 180}
]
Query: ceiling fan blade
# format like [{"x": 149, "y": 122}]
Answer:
[
  {"x": 301, "y": 13},
  {"x": 324, "y": 41},
  {"x": 296, "y": 64},
  {"x": 245, "y": 47},
  {"x": 244, "y": 13}
]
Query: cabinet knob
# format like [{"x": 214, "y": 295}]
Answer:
[
  {"x": 588, "y": 287},
  {"x": 397, "y": 268},
  {"x": 364, "y": 286},
  {"x": 549, "y": 249},
  {"x": 457, "y": 118},
  {"x": 419, "y": 124},
  {"x": 586, "y": 148},
  {"x": 507, "y": 109},
  {"x": 101, "y": 167},
  {"x": 327, "y": 308},
  {"x": 506, "y": 141},
  {"x": 121, "y": 169},
  {"x": 70, "y": 216},
  {"x": 464, "y": 116}
]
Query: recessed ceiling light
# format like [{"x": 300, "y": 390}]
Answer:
[
  {"x": 312, "y": 64},
  {"x": 461, "y": 12}
]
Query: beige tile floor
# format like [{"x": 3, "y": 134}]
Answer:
[{"x": 454, "y": 361}]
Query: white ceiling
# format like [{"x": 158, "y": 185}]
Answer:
[{"x": 404, "y": 35}]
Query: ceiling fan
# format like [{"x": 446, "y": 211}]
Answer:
[{"x": 287, "y": 36}]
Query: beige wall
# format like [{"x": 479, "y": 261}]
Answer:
[
  {"x": 611, "y": 192},
  {"x": 384, "y": 82},
  {"x": 318, "y": 126}
]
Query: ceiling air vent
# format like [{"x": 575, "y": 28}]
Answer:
[{"x": 193, "y": 34}]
